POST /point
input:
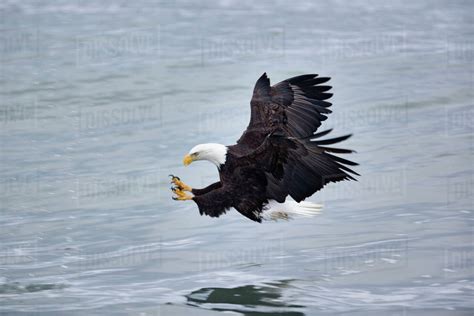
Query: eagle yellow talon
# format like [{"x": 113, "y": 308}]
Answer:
[
  {"x": 180, "y": 195},
  {"x": 179, "y": 184}
]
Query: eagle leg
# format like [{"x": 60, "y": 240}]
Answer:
[
  {"x": 180, "y": 195},
  {"x": 180, "y": 184}
]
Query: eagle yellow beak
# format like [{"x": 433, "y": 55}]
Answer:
[{"x": 187, "y": 160}]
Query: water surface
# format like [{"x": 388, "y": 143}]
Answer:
[{"x": 100, "y": 101}]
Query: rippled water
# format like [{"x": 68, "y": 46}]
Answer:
[{"x": 100, "y": 101}]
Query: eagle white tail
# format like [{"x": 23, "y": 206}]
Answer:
[{"x": 290, "y": 209}]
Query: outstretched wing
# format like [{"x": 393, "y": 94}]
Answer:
[
  {"x": 281, "y": 137},
  {"x": 300, "y": 167},
  {"x": 295, "y": 106}
]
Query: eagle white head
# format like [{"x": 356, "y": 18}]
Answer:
[{"x": 215, "y": 153}]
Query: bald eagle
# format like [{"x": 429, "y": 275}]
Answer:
[{"x": 280, "y": 154}]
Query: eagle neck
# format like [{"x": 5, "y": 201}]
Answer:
[{"x": 217, "y": 154}]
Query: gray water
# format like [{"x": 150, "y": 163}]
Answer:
[{"x": 100, "y": 100}]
